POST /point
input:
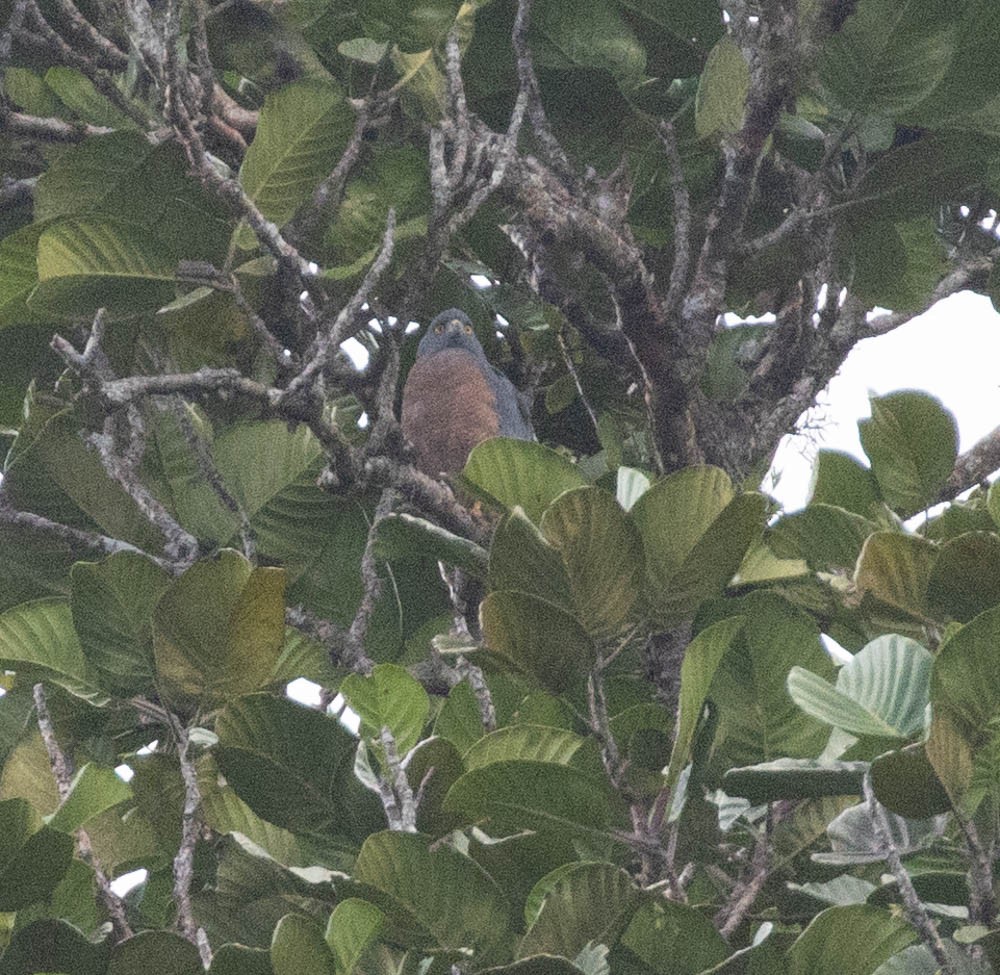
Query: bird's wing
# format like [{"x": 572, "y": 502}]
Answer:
[{"x": 513, "y": 407}]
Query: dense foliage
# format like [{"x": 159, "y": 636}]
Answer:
[{"x": 637, "y": 756}]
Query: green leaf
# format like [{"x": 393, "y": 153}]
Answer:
[
  {"x": 795, "y": 778},
  {"x": 701, "y": 660},
  {"x": 520, "y": 472},
  {"x": 235, "y": 959},
  {"x": 827, "y": 537},
  {"x": 527, "y": 742},
  {"x": 521, "y": 559},
  {"x": 431, "y": 769},
  {"x": 94, "y": 789},
  {"x": 303, "y": 128},
  {"x": 912, "y": 442},
  {"x": 883, "y": 690},
  {"x": 112, "y": 605},
  {"x": 354, "y": 926},
  {"x": 293, "y": 766},
  {"x": 518, "y": 795},
  {"x": 674, "y": 939},
  {"x": 576, "y": 905},
  {"x": 400, "y": 535},
  {"x": 93, "y": 263},
  {"x": 888, "y": 57},
  {"x": 33, "y": 858},
  {"x": 896, "y": 570},
  {"x": 164, "y": 952},
  {"x": 587, "y": 34},
  {"x": 389, "y": 698},
  {"x": 53, "y": 946},
  {"x": 298, "y": 948},
  {"x": 842, "y": 480},
  {"x": 964, "y": 676},
  {"x": 39, "y": 638},
  {"x": 537, "y": 637},
  {"x": 538, "y": 965},
  {"x": 965, "y": 579},
  {"x": 602, "y": 552},
  {"x": 905, "y": 782},
  {"x": 906, "y": 181},
  {"x": 695, "y": 532},
  {"x": 852, "y": 940},
  {"x": 758, "y": 721},
  {"x": 722, "y": 91},
  {"x": 449, "y": 895},
  {"x": 897, "y": 266},
  {"x": 219, "y": 629},
  {"x": 19, "y": 260},
  {"x": 77, "y": 92}
]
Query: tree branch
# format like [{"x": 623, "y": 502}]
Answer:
[{"x": 62, "y": 769}]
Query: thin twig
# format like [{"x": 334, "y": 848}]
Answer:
[
  {"x": 342, "y": 328},
  {"x": 62, "y": 769},
  {"x": 473, "y": 676},
  {"x": 190, "y": 830},
  {"x": 372, "y": 581},
  {"x": 397, "y": 795},
  {"x": 916, "y": 913}
]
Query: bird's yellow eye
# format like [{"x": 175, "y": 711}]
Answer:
[
  {"x": 438, "y": 329},
  {"x": 468, "y": 329}
]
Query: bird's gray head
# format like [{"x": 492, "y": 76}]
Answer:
[{"x": 451, "y": 329}]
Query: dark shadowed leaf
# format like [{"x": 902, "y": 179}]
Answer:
[
  {"x": 578, "y": 904},
  {"x": 965, "y": 579},
  {"x": 449, "y": 894},
  {"x": 795, "y": 778},
  {"x": 292, "y": 765},
  {"x": 674, "y": 939},
  {"x": 160, "y": 951},
  {"x": 852, "y": 940},
  {"x": 537, "y": 637},
  {"x": 905, "y": 783},
  {"x": 536, "y": 795},
  {"x": 33, "y": 858},
  {"x": 112, "y": 605},
  {"x": 521, "y": 559}
]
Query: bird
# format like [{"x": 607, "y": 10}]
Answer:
[{"x": 454, "y": 399}]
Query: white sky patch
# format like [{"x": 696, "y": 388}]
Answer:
[
  {"x": 124, "y": 772},
  {"x": 481, "y": 281},
  {"x": 123, "y": 884},
  {"x": 358, "y": 354},
  {"x": 306, "y": 692},
  {"x": 951, "y": 352}
]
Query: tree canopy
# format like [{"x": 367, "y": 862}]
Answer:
[{"x": 637, "y": 755}]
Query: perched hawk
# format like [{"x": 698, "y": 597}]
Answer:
[{"x": 454, "y": 399}]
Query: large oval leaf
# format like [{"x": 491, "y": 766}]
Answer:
[
  {"x": 448, "y": 893},
  {"x": 537, "y": 637},
  {"x": 602, "y": 552},
  {"x": 912, "y": 442},
  {"x": 300, "y": 135},
  {"x": 883, "y": 690},
  {"x": 293, "y": 766},
  {"x": 218, "y": 630},
  {"x": 520, "y": 472}
]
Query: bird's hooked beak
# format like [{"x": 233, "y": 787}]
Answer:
[{"x": 454, "y": 331}]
